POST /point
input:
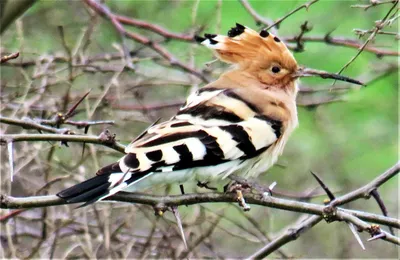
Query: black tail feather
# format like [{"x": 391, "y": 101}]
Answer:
[{"x": 86, "y": 191}]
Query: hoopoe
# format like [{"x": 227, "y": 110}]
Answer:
[{"x": 238, "y": 124}]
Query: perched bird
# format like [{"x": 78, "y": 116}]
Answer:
[{"x": 239, "y": 123}]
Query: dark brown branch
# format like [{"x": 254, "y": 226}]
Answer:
[
  {"x": 9, "y": 57},
  {"x": 324, "y": 186}
]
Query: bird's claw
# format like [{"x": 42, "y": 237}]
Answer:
[
  {"x": 239, "y": 188},
  {"x": 241, "y": 201},
  {"x": 205, "y": 185}
]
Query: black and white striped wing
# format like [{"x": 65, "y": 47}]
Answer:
[{"x": 215, "y": 126}]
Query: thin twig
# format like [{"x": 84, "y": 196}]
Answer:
[
  {"x": 381, "y": 204},
  {"x": 103, "y": 139},
  {"x": 9, "y": 57},
  {"x": 373, "y": 3},
  {"x": 154, "y": 28},
  {"x": 365, "y": 191},
  {"x": 27, "y": 123},
  {"x": 361, "y": 33},
  {"x": 105, "y": 12},
  {"x": 291, "y": 234},
  {"x": 340, "y": 41},
  {"x": 377, "y": 28},
  {"x": 280, "y": 20},
  {"x": 258, "y": 18}
]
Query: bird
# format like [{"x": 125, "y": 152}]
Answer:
[{"x": 238, "y": 124}]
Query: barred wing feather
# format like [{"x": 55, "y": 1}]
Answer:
[{"x": 216, "y": 127}]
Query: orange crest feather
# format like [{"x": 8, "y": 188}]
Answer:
[{"x": 244, "y": 46}]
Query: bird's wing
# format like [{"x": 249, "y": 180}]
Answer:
[{"x": 213, "y": 127}]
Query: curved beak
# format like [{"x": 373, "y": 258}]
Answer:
[{"x": 307, "y": 72}]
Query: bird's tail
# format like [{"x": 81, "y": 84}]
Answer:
[
  {"x": 88, "y": 191},
  {"x": 243, "y": 45},
  {"x": 109, "y": 180}
]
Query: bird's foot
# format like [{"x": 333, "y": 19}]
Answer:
[
  {"x": 251, "y": 184},
  {"x": 182, "y": 189},
  {"x": 239, "y": 189},
  {"x": 205, "y": 185}
]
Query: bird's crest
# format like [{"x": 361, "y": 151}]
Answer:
[{"x": 244, "y": 46}]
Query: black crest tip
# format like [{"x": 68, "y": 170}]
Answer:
[
  {"x": 264, "y": 33},
  {"x": 210, "y": 36},
  {"x": 276, "y": 39},
  {"x": 235, "y": 31},
  {"x": 212, "y": 41},
  {"x": 239, "y": 26},
  {"x": 199, "y": 39}
]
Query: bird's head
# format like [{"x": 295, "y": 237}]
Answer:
[{"x": 261, "y": 56}]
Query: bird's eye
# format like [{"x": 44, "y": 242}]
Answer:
[{"x": 275, "y": 69}]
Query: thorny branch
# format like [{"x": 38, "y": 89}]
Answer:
[
  {"x": 191, "y": 199},
  {"x": 289, "y": 235},
  {"x": 105, "y": 138},
  {"x": 329, "y": 212},
  {"x": 363, "y": 192}
]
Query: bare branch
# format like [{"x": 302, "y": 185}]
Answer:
[
  {"x": 280, "y": 20},
  {"x": 365, "y": 191},
  {"x": 361, "y": 33},
  {"x": 197, "y": 198},
  {"x": 31, "y": 124},
  {"x": 154, "y": 28},
  {"x": 372, "y": 229},
  {"x": 291, "y": 234},
  {"x": 377, "y": 28},
  {"x": 381, "y": 204},
  {"x": 9, "y": 57},
  {"x": 258, "y": 18},
  {"x": 340, "y": 41},
  {"x": 105, "y": 12},
  {"x": 105, "y": 139},
  {"x": 374, "y": 3}
]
